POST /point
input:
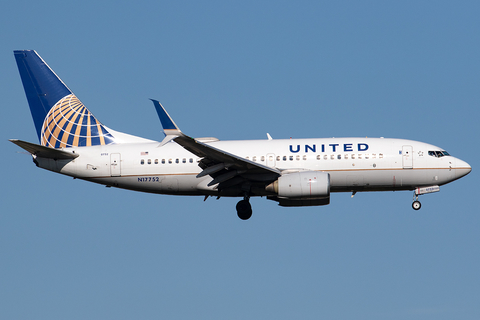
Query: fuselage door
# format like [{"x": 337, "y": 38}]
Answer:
[
  {"x": 407, "y": 157},
  {"x": 271, "y": 160},
  {"x": 115, "y": 167}
]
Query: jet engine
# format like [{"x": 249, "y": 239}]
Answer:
[{"x": 302, "y": 185}]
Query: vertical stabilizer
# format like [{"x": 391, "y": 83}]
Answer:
[{"x": 61, "y": 120}]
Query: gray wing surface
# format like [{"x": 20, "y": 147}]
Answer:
[{"x": 225, "y": 168}]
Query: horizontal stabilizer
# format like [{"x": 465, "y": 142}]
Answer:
[{"x": 44, "y": 152}]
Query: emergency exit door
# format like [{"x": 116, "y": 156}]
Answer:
[{"x": 270, "y": 160}]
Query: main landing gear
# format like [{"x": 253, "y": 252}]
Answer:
[{"x": 244, "y": 209}]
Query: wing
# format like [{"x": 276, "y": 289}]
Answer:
[{"x": 226, "y": 169}]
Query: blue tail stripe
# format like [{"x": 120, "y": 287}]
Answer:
[{"x": 42, "y": 86}]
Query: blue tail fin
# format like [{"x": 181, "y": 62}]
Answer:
[{"x": 60, "y": 118}]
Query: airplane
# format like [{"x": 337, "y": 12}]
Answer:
[{"x": 291, "y": 172}]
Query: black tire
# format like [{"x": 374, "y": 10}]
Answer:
[
  {"x": 416, "y": 205},
  {"x": 244, "y": 209}
]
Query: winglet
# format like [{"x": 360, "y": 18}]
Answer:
[
  {"x": 169, "y": 126},
  {"x": 170, "y": 129}
]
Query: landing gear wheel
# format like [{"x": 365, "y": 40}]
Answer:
[
  {"x": 416, "y": 205},
  {"x": 244, "y": 209}
]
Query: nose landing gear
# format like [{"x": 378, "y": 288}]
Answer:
[{"x": 416, "y": 205}]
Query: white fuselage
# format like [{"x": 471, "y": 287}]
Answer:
[{"x": 354, "y": 164}]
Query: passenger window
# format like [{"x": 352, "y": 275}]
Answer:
[
  {"x": 332, "y": 157},
  {"x": 156, "y": 161},
  {"x": 346, "y": 156},
  {"x": 374, "y": 156},
  {"x": 177, "y": 160},
  {"x": 325, "y": 157},
  {"x": 149, "y": 161},
  {"x": 359, "y": 156},
  {"x": 254, "y": 158},
  {"x": 380, "y": 156},
  {"x": 184, "y": 160},
  {"x": 142, "y": 161},
  {"x": 298, "y": 158},
  {"x": 263, "y": 158},
  {"x": 278, "y": 158},
  {"x": 284, "y": 158},
  {"x": 319, "y": 157},
  {"x": 170, "y": 161},
  {"x": 163, "y": 161},
  {"x": 367, "y": 156},
  {"x": 191, "y": 160},
  {"x": 339, "y": 157},
  {"x": 291, "y": 158},
  {"x": 353, "y": 156}
]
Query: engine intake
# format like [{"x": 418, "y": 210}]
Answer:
[{"x": 303, "y": 184}]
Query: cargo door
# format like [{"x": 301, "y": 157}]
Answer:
[{"x": 115, "y": 167}]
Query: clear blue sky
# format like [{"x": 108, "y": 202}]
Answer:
[{"x": 237, "y": 70}]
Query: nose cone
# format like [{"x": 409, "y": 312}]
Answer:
[{"x": 462, "y": 168}]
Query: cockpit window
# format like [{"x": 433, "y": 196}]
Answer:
[{"x": 438, "y": 154}]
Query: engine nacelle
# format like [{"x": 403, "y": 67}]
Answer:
[{"x": 303, "y": 184}]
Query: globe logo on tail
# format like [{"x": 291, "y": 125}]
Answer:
[{"x": 70, "y": 124}]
